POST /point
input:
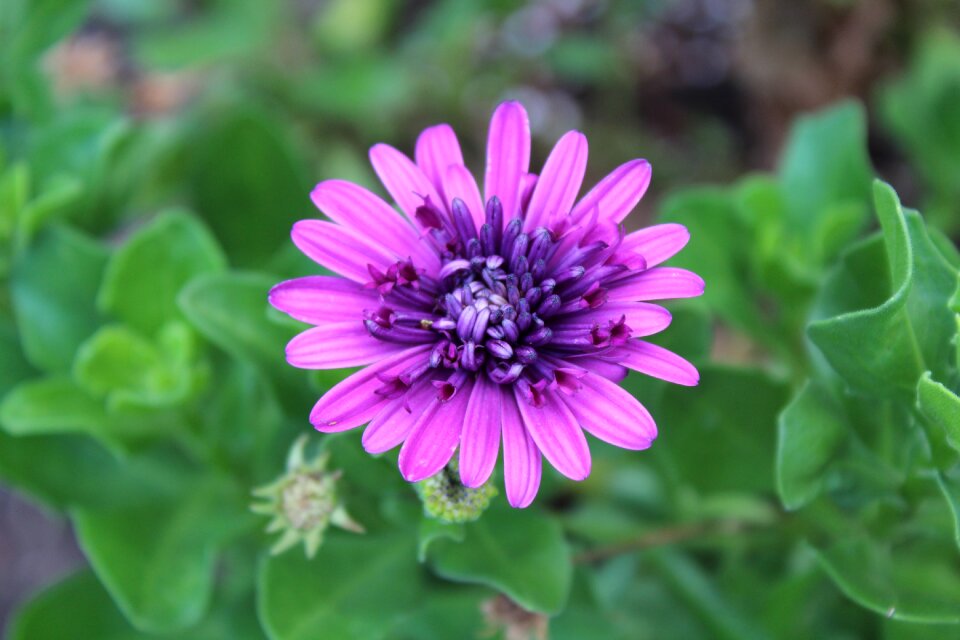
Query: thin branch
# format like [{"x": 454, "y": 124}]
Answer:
[{"x": 661, "y": 537}]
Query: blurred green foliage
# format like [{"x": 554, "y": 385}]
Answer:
[{"x": 153, "y": 156}]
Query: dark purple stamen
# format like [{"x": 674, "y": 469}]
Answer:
[
  {"x": 462, "y": 221},
  {"x": 499, "y": 304}
]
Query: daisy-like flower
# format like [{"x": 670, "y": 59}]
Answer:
[{"x": 508, "y": 317}]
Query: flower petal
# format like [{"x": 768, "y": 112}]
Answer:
[
  {"x": 404, "y": 180},
  {"x": 602, "y": 367},
  {"x": 643, "y": 318},
  {"x": 554, "y": 428},
  {"x": 392, "y": 425},
  {"x": 527, "y": 184},
  {"x": 559, "y": 183},
  {"x": 340, "y": 249},
  {"x": 660, "y": 283},
  {"x": 508, "y": 156},
  {"x": 354, "y": 401},
  {"x": 322, "y": 299},
  {"x": 437, "y": 148},
  {"x": 617, "y": 194},
  {"x": 458, "y": 182},
  {"x": 521, "y": 458},
  {"x": 657, "y": 243},
  {"x": 337, "y": 346},
  {"x": 610, "y": 413},
  {"x": 480, "y": 440},
  {"x": 353, "y": 206},
  {"x": 434, "y": 436},
  {"x": 658, "y": 362}
]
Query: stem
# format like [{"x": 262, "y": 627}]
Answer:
[{"x": 663, "y": 537}]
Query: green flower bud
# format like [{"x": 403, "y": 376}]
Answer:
[
  {"x": 303, "y": 502},
  {"x": 445, "y": 498}
]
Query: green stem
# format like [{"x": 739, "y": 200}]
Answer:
[{"x": 668, "y": 536}]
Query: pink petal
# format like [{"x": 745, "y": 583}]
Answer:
[
  {"x": 437, "y": 148},
  {"x": 609, "y": 370},
  {"x": 616, "y": 195},
  {"x": 392, "y": 425},
  {"x": 660, "y": 283},
  {"x": 658, "y": 362},
  {"x": 404, "y": 180},
  {"x": 656, "y": 243},
  {"x": 554, "y": 428},
  {"x": 643, "y": 318},
  {"x": 354, "y": 401},
  {"x": 610, "y": 413},
  {"x": 527, "y": 185},
  {"x": 458, "y": 182},
  {"x": 322, "y": 299},
  {"x": 521, "y": 458},
  {"x": 480, "y": 440},
  {"x": 508, "y": 156},
  {"x": 559, "y": 183},
  {"x": 434, "y": 437},
  {"x": 340, "y": 249},
  {"x": 353, "y": 206},
  {"x": 337, "y": 346}
]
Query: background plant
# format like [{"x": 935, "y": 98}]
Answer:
[{"x": 155, "y": 154}]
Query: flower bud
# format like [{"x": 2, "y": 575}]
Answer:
[
  {"x": 303, "y": 502},
  {"x": 445, "y": 498}
]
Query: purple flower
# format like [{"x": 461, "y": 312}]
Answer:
[{"x": 509, "y": 317}]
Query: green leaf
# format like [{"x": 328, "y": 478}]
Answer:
[
  {"x": 145, "y": 276},
  {"x": 708, "y": 603},
  {"x": 37, "y": 24},
  {"x": 57, "y": 405},
  {"x": 912, "y": 583},
  {"x": 218, "y": 31},
  {"x": 721, "y": 435},
  {"x": 53, "y": 405},
  {"x": 13, "y": 366},
  {"x": 521, "y": 553},
  {"x": 811, "y": 432},
  {"x": 77, "y": 607},
  {"x": 914, "y": 324},
  {"x": 432, "y": 529},
  {"x": 718, "y": 249},
  {"x": 252, "y": 198},
  {"x": 448, "y": 611},
  {"x": 940, "y": 407},
  {"x": 66, "y": 470},
  {"x": 919, "y": 108},
  {"x": 156, "y": 558},
  {"x": 53, "y": 285},
  {"x": 230, "y": 310},
  {"x": 242, "y": 419},
  {"x": 115, "y": 357},
  {"x": 949, "y": 485},
  {"x": 825, "y": 164},
  {"x": 57, "y": 200},
  {"x": 355, "y": 587},
  {"x": 128, "y": 370},
  {"x": 584, "y": 616}
]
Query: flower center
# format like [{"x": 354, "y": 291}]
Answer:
[{"x": 489, "y": 309}]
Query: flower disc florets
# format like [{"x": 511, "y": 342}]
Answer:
[{"x": 493, "y": 300}]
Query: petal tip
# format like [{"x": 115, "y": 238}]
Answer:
[{"x": 519, "y": 504}]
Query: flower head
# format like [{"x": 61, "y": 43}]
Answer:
[{"x": 509, "y": 318}]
